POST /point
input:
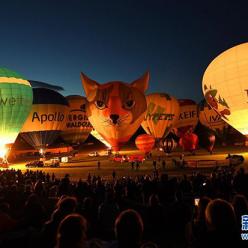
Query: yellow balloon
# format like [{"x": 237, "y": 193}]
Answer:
[
  {"x": 225, "y": 86},
  {"x": 162, "y": 114}
]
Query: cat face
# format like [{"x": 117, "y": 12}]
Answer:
[{"x": 116, "y": 109}]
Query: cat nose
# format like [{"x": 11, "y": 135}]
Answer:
[{"x": 114, "y": 118}]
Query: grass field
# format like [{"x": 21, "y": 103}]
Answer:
[{"x": 83, "y": 164}]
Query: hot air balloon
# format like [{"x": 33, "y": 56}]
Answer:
[
  {"x": 225, "y": 86},
  {"x": 189, "y": 142},
  {"x": 145, "y": 142},
  {"x": 168, "y": 144},
  {"x": 78, "y": 127},
  {"x": 188, "y": 117},
  {"x": 116, "y": 109},
  {"x": 95, "y": 134},
  {"x": 209, "y": 118},
  {"x": 46, "y": 119},
  {"x": 16, "y": 98},
  {"x": 162, "y": 114}
]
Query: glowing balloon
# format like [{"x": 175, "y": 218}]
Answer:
[
  {"x": 188, "y": 117},
  {"x": 116, "y": 109},
  {"x": 46, "y": 119},
  {"x": 16, "y": 98},
  {"x": 225, "y": 86},
  {"x": 78, "y": 127},
  {"x": 211, "y": 119},
  {"x": 189, "y": 142},
  {"x": 168, "y": 144},
  {"x": 95, "y": 134},
  {"x": 145, "y": 142},
  {"x": 162, "y": 114}
]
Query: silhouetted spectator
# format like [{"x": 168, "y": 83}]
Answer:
[
  {"x": 129, "y": 229},
  {"x": 72, "y": 232}
]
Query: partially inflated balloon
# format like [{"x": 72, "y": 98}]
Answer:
[
  {"x": 189, "y": 142},
  {"x": 188, "y": 117},
  {"x": 46, "y": 119},
  {"x": 162, "y": 114},
  {"x": 78, "y": 127},
  {"x": 145, "y": 142},
  {"x": 96, "y": 135},
  {"x": 168, "y": 144},
  {"x": 116, "y": 109},
  {"x": 16, "y": 98},
  {"x": 225, "y": 86},
  {"x": 211, "y": 119}
]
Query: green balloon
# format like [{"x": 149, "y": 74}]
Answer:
[{"x": 16, "y": 97}]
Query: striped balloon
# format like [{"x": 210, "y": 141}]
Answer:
[{"x": 145, "y": 142}]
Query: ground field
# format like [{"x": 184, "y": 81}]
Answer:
[{"x": 82, "y": 165}]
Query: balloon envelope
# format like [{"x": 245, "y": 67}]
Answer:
[
  {"x": 188, "y": 117},
  {"x": 46, "y": 119},
  {"x": 189, "y": 142},
  {"x": 116, "y": 109},
  {"x": 16, "y": 98},
  {"x": 162, "y": 113},
  {"x": 95, "y": 134},
  {"x": 225, "y": 86},
  {"x": 145, "y": 142},
  {"x": 78, "y": 127}
]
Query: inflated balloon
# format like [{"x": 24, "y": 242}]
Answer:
[
  {"x": 116, "y": 109},
  {"x": 208, "y": 117},
  {"x": 46, "y": 119},
  {"x": 16, "y": 98},
  {"x": 95, "y": 134},
  {"x": 168, "y": 144},
  {"x": 189, "y": 142},
  {"x": 188, "y": 117},
  {"x": 78, "y": 127},
  {"x": 225, "y": 86},
  {"x": 145, "y": 142},
  {"x": 211, "y": 139},
  {"x": 162, "y": 114}
]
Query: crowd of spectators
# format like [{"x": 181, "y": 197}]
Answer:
[{"x": 39, "y": 210}]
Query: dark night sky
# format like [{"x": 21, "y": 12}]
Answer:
[{"x": 53, "y": 40}]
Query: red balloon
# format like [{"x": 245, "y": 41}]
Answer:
[
  {"x": 211, "y": 139},
  {"x": 189, "y": 142},
  {"x": 145, "y": 142}
]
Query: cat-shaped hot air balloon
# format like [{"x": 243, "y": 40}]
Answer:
[{"x": 116, "y": 109}]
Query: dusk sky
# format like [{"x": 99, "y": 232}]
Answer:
[{"x": 53, "y": 40}]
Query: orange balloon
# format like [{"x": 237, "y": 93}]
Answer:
[
  {"x": 116, "y": 109},
  {"x": 145, "y": 142}
]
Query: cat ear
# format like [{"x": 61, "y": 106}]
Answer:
[
  {"x": 90, "y": 87},
  {"x": 142, "y": 82}
]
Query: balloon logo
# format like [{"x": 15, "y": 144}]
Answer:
[
  {"x": 78, "y": 127},
  {"x": 162, "y": 114},
  {"x": 16, "y": 98},
  {"x": 116, "y": 109},
  {"x": 46, "y": 119},
  {"x": 145, "y": 142},
  {"x": 225, "y": 86}
]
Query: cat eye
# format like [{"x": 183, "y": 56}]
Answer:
[
  {"x": 100, "y": 104},
  {"x": 129, "y": 104}
]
